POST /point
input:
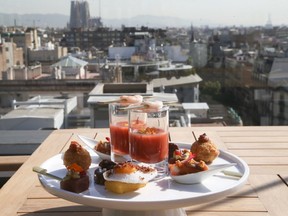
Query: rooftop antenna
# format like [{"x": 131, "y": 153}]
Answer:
[
  {"x": 269, "y": 22},
  {"x": 100, "y": 8}
]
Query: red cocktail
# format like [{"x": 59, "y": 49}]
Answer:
[
  {"x": 149, "y": 145},
  {"x": 119, "y": 130},
  {"x": 149, "y": 140},
  {"x": 119, "y": 133}
]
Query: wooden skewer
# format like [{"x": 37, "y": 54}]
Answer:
[
  {"x": 118, "y": 100},
  {"x": 109, "y": 101},
  {"x": 132, "y": 107},
  {"x": 194, "y": 135},
  {"x": 144, "y": 106},
  {"x": 43, "y": 171}
]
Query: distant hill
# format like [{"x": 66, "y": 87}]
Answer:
[
  {"x": 31, "y": 20},
  {"x": 60, "y": 21},
  {"x": 148, "y": 20}
]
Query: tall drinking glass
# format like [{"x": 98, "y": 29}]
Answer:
[
  {"x": 148, "y": 133},
  {"x": 119, "y": 132}
]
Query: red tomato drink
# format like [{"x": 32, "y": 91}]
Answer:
[
  {"x": 119, "y": 133},
  {"x": 149, "y": 145},
  {"x": 120, "y": 138}
]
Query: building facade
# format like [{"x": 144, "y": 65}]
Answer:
[
  {"x": 46, "y": 55},
  {"x": 10, "y": 56},
  {"x": 79, "y": 14}
]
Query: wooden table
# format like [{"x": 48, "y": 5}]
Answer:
[{"x": 265, "y": 149}]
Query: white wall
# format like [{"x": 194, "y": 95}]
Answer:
[{"x": 123, "y": 52}]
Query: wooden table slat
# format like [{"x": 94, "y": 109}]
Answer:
[
  {"x": 64, "y": 214},
  {"x": 266, "y": 170},
  {"x": 55, "y": 205},
  {"x": 253, "y": 133},
  {"x": 272, "y": 192},
  {"x": 205, "y": 213},
  {"x": 12, "y": 163},
  {"x": 231, "y": 204},
  {"x": 256, "y": 146},
  {"x": 266, "y": 161},
  {"x": 259, "y": 152},
  {"x": 262, "y": 139}
]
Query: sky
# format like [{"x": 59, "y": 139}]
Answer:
[{"x": 226, "y": 12}]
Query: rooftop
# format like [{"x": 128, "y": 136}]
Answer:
[
  {"x": 158, "y": 82},
  {"x": 38, "y": 112},
  {"x": 70, "y": 61}
]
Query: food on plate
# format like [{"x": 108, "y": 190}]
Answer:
[
  {"x": 172, "y": 148},
  {"x": 204, "y": 149},
  {"x": 77, "y": 161},
  {"x": 77, "y": 154},
  {"x": 128, "y": 176},
  {"x": 76, "y": 179},
  {"x": 104, "y": 165},
  {"x": 131, "y": 99},
  {"x": 155, "y": 105},
  {"x": 187, "y": 166},
  {"x": 181, "y": 154},
  {"x": 104, "y": 146},
  {"x": 182, "y": 162}
]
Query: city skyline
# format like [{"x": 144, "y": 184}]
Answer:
[{"x": 231, "y": 12}]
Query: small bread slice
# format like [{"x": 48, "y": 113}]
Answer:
[{"x": 122, "y": 187}]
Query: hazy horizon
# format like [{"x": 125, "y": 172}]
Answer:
[{"x": 223, "y": 12}]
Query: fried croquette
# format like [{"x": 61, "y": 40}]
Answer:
[
  {"x": 204, "y": 149},
  {"x": 77, "y": 154}
]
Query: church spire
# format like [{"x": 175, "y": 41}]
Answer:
[
  {"x": 269, "y": 23},
  {"x": 192, "y": 38}
]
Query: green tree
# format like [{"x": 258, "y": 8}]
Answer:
[{"x": 211, "y": 88}]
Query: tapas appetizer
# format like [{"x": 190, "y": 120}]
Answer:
[{"x": 101, "y": 148}]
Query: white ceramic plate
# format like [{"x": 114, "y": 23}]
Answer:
[
  {"x": 155, "y": 195},
  {"x": 91, "y": 143},
  {"x": 198, "y": 177}
]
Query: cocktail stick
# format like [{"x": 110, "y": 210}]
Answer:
[{"x": 43, "y": 171}]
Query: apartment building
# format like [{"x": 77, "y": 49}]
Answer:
[
  {"x": 46, "y": 55},
  {"x": 10, "y": 56},
  {"x": 101, "y": 38}
]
